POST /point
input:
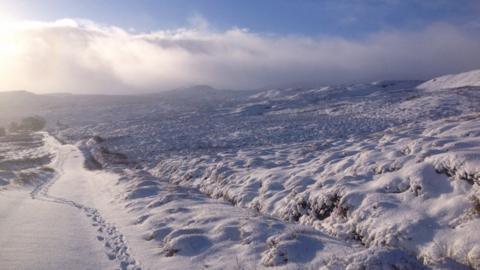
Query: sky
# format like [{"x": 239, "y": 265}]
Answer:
[{"x": 119, "y": 46}]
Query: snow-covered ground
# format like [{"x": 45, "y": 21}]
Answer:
[
  {"x": 383, "y": 175},
  {"x": 24, "y": 160},
  {"x": 466, "y": 79},
  {"x": 41, "y": 230}
]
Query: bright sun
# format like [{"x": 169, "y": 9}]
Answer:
[
  {"x": 7, "y": 36},
  {"x": 6, "y": 16},
  {"x": 9, "y": 49}
]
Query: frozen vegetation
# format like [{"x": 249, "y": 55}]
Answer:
[{"x": 384, "y": 175}]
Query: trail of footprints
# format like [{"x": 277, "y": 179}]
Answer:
[{"x": 115, "y": 244}]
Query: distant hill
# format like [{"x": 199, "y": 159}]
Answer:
[{"x": 470, "y": 78}]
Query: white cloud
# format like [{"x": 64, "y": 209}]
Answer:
[
  {"x": 85, "y": 57},
  {"x": 197, "y": 21}
]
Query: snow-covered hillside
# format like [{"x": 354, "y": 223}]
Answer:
[
  {"x": 466, "y": 79},
  {"x": 382, "y": 175},
  {"x": 24, "y": 160}
]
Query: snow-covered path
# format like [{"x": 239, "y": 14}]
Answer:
[{"x": 52, "y": 227}]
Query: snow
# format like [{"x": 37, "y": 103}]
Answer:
[
  {"x": 24, "y": 160},
  {"x": 351, "y": 192},
  {"x": 466, "y": 79},
  {"x": 381, "y": 175},
  {"x": 187, "y": 228},
  {"x": 41, "y": 235},
  {"x": 41, "y": 232}
]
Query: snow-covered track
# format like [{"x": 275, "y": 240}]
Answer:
[{"x": 116, "y": 247}]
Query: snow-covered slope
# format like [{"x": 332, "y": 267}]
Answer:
[
  {"x": 24, "y": 160},
  {"x": 415, "y": 187},
  {"x": 385, "y": 171},
  {"x": 339, "y": 159},
  {"x": 466, "y": 79}
]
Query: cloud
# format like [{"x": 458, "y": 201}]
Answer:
[{"x": 82, "y": 56}]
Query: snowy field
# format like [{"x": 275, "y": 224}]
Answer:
[{"x": 383, "y": 175}]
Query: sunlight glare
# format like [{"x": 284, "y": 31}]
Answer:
[{"x": 9, "y": 47}]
